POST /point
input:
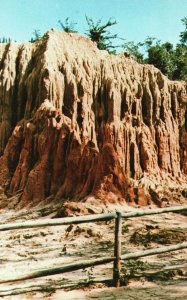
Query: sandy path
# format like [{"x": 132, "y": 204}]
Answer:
[{"x": 32, "y": 249}]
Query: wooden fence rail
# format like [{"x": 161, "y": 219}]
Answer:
[
  {"x": 117, "y": 244},
  {"x": 57, "y": 221},
  {"x": 94, "y": 262},
  {"x": 155, "y": 211},
  {"x": 89, "y": 218}
]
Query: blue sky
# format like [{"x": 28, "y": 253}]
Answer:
[{"x": 136, "y": 19}]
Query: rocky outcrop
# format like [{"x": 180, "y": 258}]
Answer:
[{"x": 76, "y": 121}]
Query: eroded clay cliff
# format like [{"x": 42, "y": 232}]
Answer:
[{"x": 76, "y": 121}]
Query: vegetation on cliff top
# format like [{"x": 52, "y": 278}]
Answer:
[{"x": 170, "y": 59}]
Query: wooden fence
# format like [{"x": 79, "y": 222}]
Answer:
[{"x": 116, "y": 259}]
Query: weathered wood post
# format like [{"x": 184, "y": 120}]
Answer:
[{"x": 117, "y": 251}]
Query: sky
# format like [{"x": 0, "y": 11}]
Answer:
[{"x": 136, "y": 19}]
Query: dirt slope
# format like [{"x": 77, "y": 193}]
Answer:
[{"x": 76, "y": 121}]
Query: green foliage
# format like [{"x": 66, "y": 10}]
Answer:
[
  {"x": 67, "y": 26},
  {"x": 172, "y": 61},
  {"x": 162, "y": 56},
  {"x": 99, "y": 33},
  {"x": 5, "y": 40},
  {"x": 183, "y": 34},
  {"x": 37, "y": 35},
  {"x": 180, "y": 62},
  {"x": 134, "y": 50}
]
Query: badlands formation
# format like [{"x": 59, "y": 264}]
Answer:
[{"x": 78, "y": 124}]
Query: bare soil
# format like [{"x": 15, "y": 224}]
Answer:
[{"x": 27, "y": 250}]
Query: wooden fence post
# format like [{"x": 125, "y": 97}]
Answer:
[{"x": 117, "y": 251}]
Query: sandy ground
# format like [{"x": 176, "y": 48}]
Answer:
[{"x": 22, "y": 251}]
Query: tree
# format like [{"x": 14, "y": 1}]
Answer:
[
  {"x": 5, "y": 40},
  {"x": 180, "y": 62},
  {"x": 99, "y": 33},
  {"x": 162, "y": 56},
  {"x": 149, "y": 41},
  {"x": 68, "y": 26},
  {"x": 37, "y": 35},
  {"x": 134, "y": 50},
  {"x": 183, "y": 34}
]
